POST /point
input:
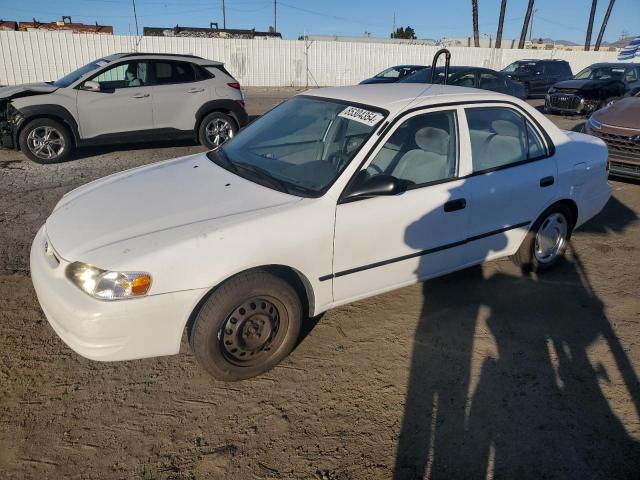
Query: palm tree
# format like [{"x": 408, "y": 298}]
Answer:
[
  {"x": 604, "y": 25},
  {"x": 525, "y": 25},
  {"x": 476, "y": 33},
  {"x": 587, "y": 41},
  {"x": 503, "y": 8}
]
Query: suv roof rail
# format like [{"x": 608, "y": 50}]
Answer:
[{"x": 135, "y": 54}]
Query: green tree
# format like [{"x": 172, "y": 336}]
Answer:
[{"x": 402, "y": 32}]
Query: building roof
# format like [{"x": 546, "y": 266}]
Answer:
[
  {"x": 179, "y": 31},
  {"x": 66, "y": 26}
]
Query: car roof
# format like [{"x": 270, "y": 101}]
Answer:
[
  {"x": 538, "y": 60},
  {"x": 395, "y": 96},
  {"x": 162, "y": 56},
  {"x": 613, "y": 64}
]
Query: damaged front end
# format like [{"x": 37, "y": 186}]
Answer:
[{"x": 10, "y": 119}]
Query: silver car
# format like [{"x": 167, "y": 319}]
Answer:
[{"x": 123, "y": 98}]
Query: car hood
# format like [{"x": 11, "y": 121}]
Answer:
[
  {"x": 26, "y": 89},
  {"x": 582, "y": 84},
  {"x": 150, "y": 199},
  {"x": 622, "y": 113}
]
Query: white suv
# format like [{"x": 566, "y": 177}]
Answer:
[{"x": 125, "y": 97}]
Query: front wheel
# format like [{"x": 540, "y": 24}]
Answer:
[
  {"x": 246, "y": 326},
  {"x": 45, "y": 140},
  {"x": 546, "y": 241},
  {"x": 215, "y": 129}
]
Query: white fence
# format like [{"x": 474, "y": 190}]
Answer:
[{"x": 42, "y": 56}]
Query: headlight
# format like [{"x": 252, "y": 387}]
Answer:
[
  {"x": 593, "y": 123},
  {"x": 106, "y": 285},
  {"x": 551, "y": 90}
]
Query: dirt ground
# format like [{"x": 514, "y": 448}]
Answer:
[{"x": 481, "y": 374}]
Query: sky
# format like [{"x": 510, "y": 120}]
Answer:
[{"x": 557, "y": 19}]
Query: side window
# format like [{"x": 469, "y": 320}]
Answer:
[
  {"x": 466, "y": 80},
  {"x": 123, "y": 75},
  {"x": 500, "y": 136},
  {"x": 422, "y": 149},
  {"x": 489, "y": 81},
  {"x": 167, "y": 72},
  {"x": 631, "y": 75}
]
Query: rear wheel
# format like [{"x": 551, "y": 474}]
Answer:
[
  {"x": 45, "y": 140},
  {"x": 215, "y": 129},
  {"x": 546, "y": 241},
  {"x": 246, "y": 326}
]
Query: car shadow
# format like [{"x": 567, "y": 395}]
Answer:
[{"x": 503, "y": 382}]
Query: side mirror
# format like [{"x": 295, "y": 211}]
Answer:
[
  {"x": 379, "y": 185},
  {"x": 91, "y": 86}
]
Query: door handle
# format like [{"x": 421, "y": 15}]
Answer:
[
  {"x": 196, "y": 90},
  {"x": 454, "y": 205},
  {"x": 140, "y": 95},
  {"x": 547, "y": 181}
]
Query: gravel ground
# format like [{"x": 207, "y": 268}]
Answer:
[{"x": 483, "y": 373}]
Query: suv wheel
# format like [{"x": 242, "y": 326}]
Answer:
[
  {"x": 45, "y": 140},
  {"x": 216, "y": 128},
  {"x": 246, "y": 326}
]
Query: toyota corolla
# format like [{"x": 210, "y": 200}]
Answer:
[{"x": 335, "y": 195}]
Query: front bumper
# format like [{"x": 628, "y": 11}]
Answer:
[
  {"x": 107, "y": 330},
  {"x": 624, "y": 152}
]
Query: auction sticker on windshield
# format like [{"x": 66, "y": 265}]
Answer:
[{"x": 361, "y": 115}]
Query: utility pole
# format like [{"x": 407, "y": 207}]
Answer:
[
  {"x": 604, "y": 25},
  {"x": 587, "y": 40},
  {"x": 525, "y": 25},
  {"x": 476, "y": 33},
  {"x": 135, "y": 15},
  {"x": 533, "y": 13},
  {"x": 503, "y": 8},
  {"x": 275, "y": 17},
  {"x": 224, "y": 17}
]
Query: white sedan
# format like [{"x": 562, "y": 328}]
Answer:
[{"x": 335, "y": 195}]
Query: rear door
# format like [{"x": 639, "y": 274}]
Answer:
[
  {"x": 179, "y": 90},
  {"x": 123, "y": 104},
  {"x": 513, "y": 178}
]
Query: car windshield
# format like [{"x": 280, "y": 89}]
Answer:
[
  {"x": 301, "y": 146},
  {"x": 398, "y": 72},
  {"x": 520, "y": 67},
  {"x": 79, "y": 73},
  {"x": 600, "y": 73}
]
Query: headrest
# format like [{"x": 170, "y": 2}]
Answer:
[
  {"x": 506, "y": 128},
  {"x": 433, "y": 140}
]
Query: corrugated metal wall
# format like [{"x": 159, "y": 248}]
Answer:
[{"x": 42, "y": 56}]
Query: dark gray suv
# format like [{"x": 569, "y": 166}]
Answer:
[{"x": 538, "y": 75}]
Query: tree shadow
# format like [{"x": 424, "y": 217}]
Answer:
[{"x": 504, "y": 381}]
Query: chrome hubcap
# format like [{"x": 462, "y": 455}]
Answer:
[
  {"x": 218, "y": 131},
  {"x": 551, "y": 238},
  {"x": 46, "y": 142}
]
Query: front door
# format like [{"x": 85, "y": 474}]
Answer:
[
  {"x": 123, "y": 104},
  {"x": 513, "y": 179},
  {"x": 389, "y": 241}
]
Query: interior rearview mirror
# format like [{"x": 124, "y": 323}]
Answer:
[
  {"x": 375, "y": 186},
  {"x": 91, "y": 86}
]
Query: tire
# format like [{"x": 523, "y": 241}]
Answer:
[
  {"x": 246, "y": 326},
  {"x": 531, "y": 256},
  {"x": 215, "y": 129},
  {"x": 46, "y": 141}
]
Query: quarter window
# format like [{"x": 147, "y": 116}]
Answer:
[
  {"x": 422, "y": 150},
  {"x": 501, "y": 136}
]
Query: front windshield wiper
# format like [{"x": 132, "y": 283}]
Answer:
[
  {"x": 264, "y": 174},
  {"x": 219, "y": 157}
]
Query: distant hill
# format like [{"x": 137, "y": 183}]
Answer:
[
  {"x": 623, "y": 42},
  {"x": 559, "y": 42}
]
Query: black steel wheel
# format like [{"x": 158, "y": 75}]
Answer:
[{"x": 246, "y": 326}]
